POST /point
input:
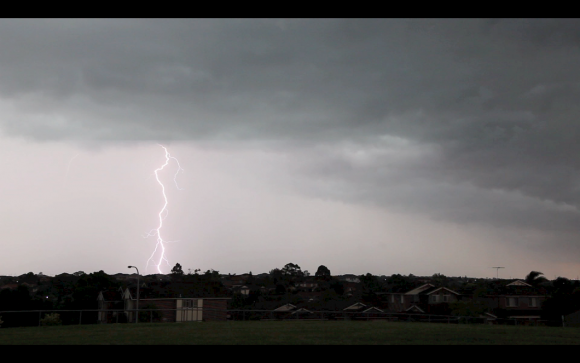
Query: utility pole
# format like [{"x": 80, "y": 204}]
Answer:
[{"x": 497, "y": 271}]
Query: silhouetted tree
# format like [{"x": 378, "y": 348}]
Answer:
[
  {"x": 370, "y": 286},
  {"x": 399, "y": 283},
  {"x": 565, "y": 299},
  {"x": 322, "y": 271},
  {"x": 292, "y": 270},
  {"x": 84, "y": 296},
  {"x": 534, "y": 278},
  {"x": 238, "y": 301},
  {"x": 337, "y": 286},
  {"x": 177, "y": 270},
  {"x": 275, "y": 275},
  {"x": 439, "y": 279},
  {"x": 150, "y": 312}
]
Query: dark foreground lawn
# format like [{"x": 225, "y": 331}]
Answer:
[{"x": 290, "y": 332}]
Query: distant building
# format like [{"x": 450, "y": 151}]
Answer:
[
  {"x": 426, "y": 298},
  {"x": 170, "y": 308},
  {"x": 517, "y": 300}
]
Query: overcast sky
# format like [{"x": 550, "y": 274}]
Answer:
[{"x": 383, "y": 146}]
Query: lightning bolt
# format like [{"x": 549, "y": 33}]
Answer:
[{"x": 160, "y": 246}]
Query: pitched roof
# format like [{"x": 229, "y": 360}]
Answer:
[
  {"x": 301, "y": 311},
  {"x": 420, "y": 289},
  {"x": 110, "y": 295},
  {"x": 356, "y": 306},
  {"x": 518, "y": 288},
  {"x": 415, "y": 307},
  {"x": 285, "y": 307},
  {"x": 373, "y": 309},
  {"x": 487, "y": 315},
  {"x": 519, "y": 283},
  {"x": 443, "y": 288}
]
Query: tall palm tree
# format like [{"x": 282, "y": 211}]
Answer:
[{"x": 534, "y": 278}]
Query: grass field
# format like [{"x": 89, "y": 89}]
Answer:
[{"x": 288, "y": 332}]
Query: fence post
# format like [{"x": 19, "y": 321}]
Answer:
[
  {"x": 40, "y": 312},
  {"x": 80, "y": 317},
  {"x": 151, "y": 315},
  {"x": 563, "y": 322},
  {"x": 243, "y": 315}
]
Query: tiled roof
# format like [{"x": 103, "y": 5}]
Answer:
[{"x": 420, "y": 289}]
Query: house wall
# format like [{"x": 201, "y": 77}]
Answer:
[
  {"x": 522, "y": 302},
  {"x": 130, "y": 305},
  {"x": 173, "y": 310},
  {"x": 440, "y": 296},
  {"x": 184, "y": 314},
  {"x": 215, "y": 310},
  {"x": 166, "y": 307},
  {"x": 395, "y": 304},
  {"x": 105, "y": 316}
]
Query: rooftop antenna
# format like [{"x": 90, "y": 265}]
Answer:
[{"x": 497, "y": 271}]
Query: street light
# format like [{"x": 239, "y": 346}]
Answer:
[{"x": 137, "y": 310}]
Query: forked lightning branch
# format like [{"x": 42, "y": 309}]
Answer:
[{"x": 158, "y": 255}]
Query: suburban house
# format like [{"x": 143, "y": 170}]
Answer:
[
  {"x": 425, "y": 299},
  {"x": 110, "y": 302},
  {"x": 310, "y": 296},
  {"x": 308, "y": 285},
  {"x": 348, "y": 278},
  {"x": 360, "y": 311},
  {"x": 241, "y": 289},
  {"x": 161, "y": 307},
  {"x": 229, "y": 281},
  {"x": 517, "y": 300},
  {"x": 343, "y": 310}
]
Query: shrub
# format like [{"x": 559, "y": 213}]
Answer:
[{"x": 51, "y": 320}]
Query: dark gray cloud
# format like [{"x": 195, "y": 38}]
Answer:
[{"x": 479, "y": 116}]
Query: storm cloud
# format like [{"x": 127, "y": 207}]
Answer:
[{"x": 469, "y": 121}]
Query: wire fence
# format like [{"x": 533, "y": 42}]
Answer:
[
  {"x": 270, "y": 315},
  {"x": 17, "y": 318}
]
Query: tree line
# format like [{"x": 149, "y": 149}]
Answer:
[{"x": 288, "y": 284}]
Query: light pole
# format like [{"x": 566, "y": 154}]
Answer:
[{"x": 137, "y": 310}]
